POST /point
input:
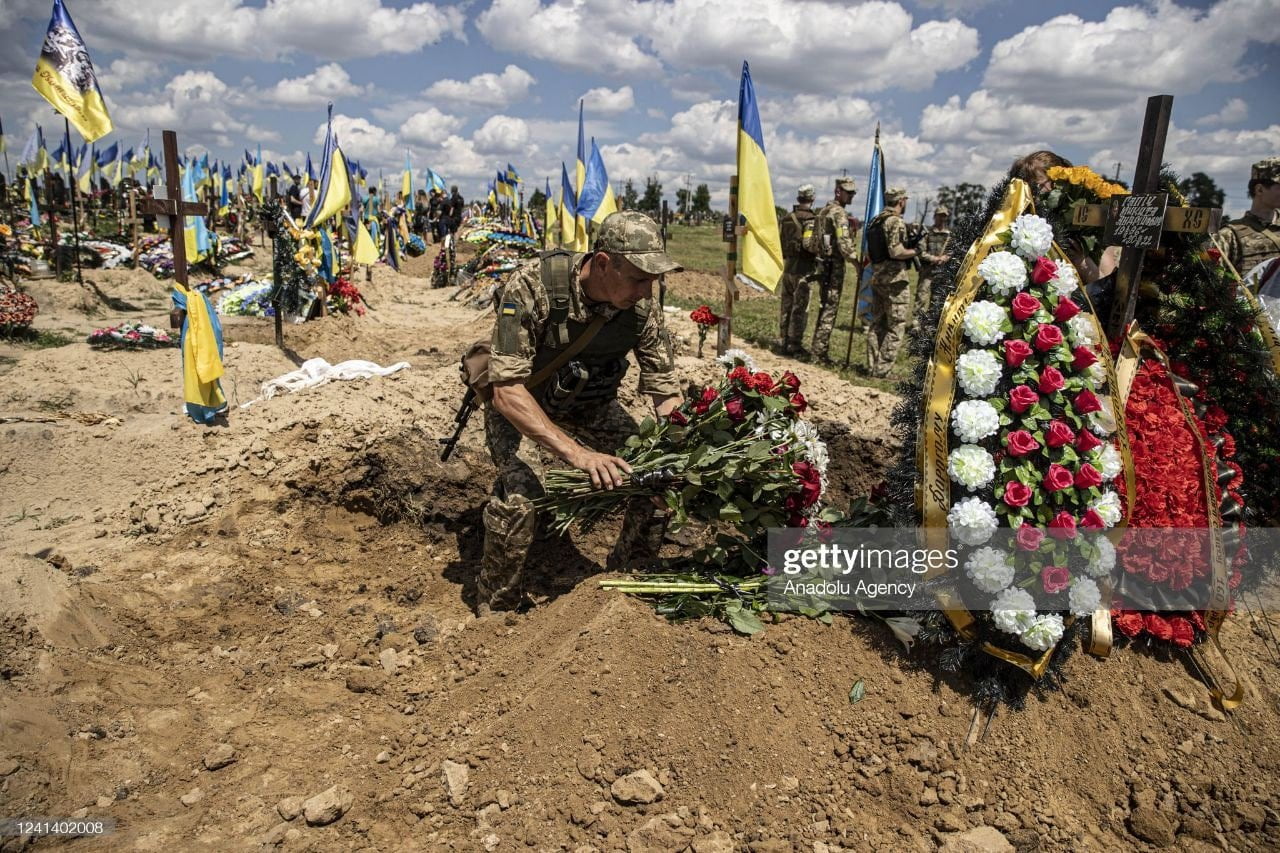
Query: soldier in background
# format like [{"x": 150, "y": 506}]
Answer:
[
  {"x": 890, "y": 287},
  {"x": 799, "y": 272},
  {"x": 832, "y": 243},
  {"x": 933, "y": 255},
  {"x": 1255, "y": 237}
]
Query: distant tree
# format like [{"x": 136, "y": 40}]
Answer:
[
  {"x": 963, "y": 199},
  {"x": 630, "y": 200},
  {"x": 702, "y": 200},
  {"x": 537, "y": 202},
  {"x": 682, "y": 200},
  {"x": 1202, "y": 191},
  {"x": 651, "y": 201}
]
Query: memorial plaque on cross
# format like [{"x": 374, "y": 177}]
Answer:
[{"x": 173, "y": 206}]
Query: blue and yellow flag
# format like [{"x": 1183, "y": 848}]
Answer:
[
  {"x": 513, "y": 177},
  {"x": 34, "y": 155},
  {"x": 195, "y": 233},
  {"x": 550, "y": 224},
  {"x": 65, "y": 77},
  {"x": 201, "y": 342},
  {"x": 365, "y": 251},
  {"x": 406, "y": 180},
  {"x": 257, "y": 176},
  {"x": 596, "y": 201},
  {"x": 875, "y": 189},
  {"x": 4, "y": 146},
  {"x": 311, "y": 173},
  {"x": 760, "y": 247},
  {"x": 568, "y": 210},
  {"x": 335, "y": 183},
  {"x": 34, "y": 209},
  {"x": 580, "y": 169}
]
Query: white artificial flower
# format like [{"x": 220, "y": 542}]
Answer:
[
  {"x": 1103, "y": 421},
  {"x": 1108, "y": 508},
  {"x": 1084, "y": 597},
  {"x": 978, "y": 371},
  {"x": 1108, "y": 462},
  {"x": 971, "y": 466},
  {"x": 1081, "y": 331},
  {"x": 989, "y": 569},
  {"x": 982, "y": 321},
  {"x": 1064, "y": 281},
  {"x": 1105, "y": 561},
  {"x": 974, "y": 420},
  {"x": 1004, "y": 272},
  {"x": 1031, "y": 236},
  {"x": 734, "y": 357},
  {"x": 1013, "y": 610},
  {"x": 905, "y": 628},
  {"x": 1097, "y": 374},
  {"x": 972, "y": 521},
  {"x": 1043, "y": 633}
]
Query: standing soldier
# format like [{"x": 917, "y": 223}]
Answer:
[
  {"x": 932, "y": 257},
  {"x": 890, "y": 288},
  {"x": 1255, "y": 237},
  {"x": 799, "y": 272},
  {"x": 832, "y": 243}
]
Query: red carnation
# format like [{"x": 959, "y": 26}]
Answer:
[
  {"x": 740, "y": 374},
  {"x": 1067, "y": 308},
  {"x": 1183, "y": 634},
  {"x": 790, "y": 381},
  {"x": 677, "y": 417},
  {"x": 1022, "y": 398},
  {"x": 1016, "y": 351},
  {"x": 1016, "y": 494},
  {"x": 1063, "y": 526},
  {"x": 1086, "y": 402},
  {"x": 1058, "y": 434},
  {"x": 1129, "y": 622},
  {"x": 1048, "y": 336},
  {"x": 798, "y": 402},
  {"x": 1083, "y": 357},
  {"x": 1158, "y": 627},
  {"x": 1055, "y": 579},
  {"x": 1086, "y": 441},
  {"x": 1043, "y": 271},
  {"x": 1020, "y": 443},
  {"x": 703, "y": 316},
  {"x": 709, "y": 396},
  {"x": 1029, "y": 537},
  {"x": 1092, "y": 521},
  {"x": 734, "y": 407},
  {"x": 761, "y": 382},
  {"x": 1024, "y": 306},
  {"x": 1057, "y": 478},
  {"x": 1088, "y": 477},
  {"x": 1051, "y": 380}
]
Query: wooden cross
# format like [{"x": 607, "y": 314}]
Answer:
[
  {"x": 174, "y": 207},
  {"x": 133, "y": 221}
]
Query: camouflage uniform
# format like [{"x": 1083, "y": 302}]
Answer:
[
  {"x": 934, "y": 245},
  {"x": 519, "y": 342},
  {"x": 1248, "y": 241},
  {"x": 890, "y": 294},
  {"x": 835, "y": 246},
  {"x": 798, "y": 273}
]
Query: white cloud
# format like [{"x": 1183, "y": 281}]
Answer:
[
  {"x": 1233, "y": 111},
  {"x": 986, "y": 117},
  {"x": 485, "y": 90},
  {"x": 821, "y": 112},
  {"x": 1134, "y": 51},
  {"x": 196, "y": 103},
  {"x": 605, "y": 101},
  {"x": 570, "y": 34},
  {"x": 124, "y": 74},
  {"x": 328, "y": 82},
  {"x": 360, "y": 139},
  {"x": 429, "y": 127},
  {"x": 502, "y": 135}
]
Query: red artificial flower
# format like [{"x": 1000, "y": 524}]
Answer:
[
  {"x": 1091, "y": 520},
  {"x": 1086, "y": 402},
  {"x": 1057, "y": 478},
  {"x": 1215, "y": 418},
  {"x": 1086, "y": 441},
  {"x": 1063, "y": 526},
  {"x": 1016, "y": 494},
  {"x": 734, "y": 407},
  {"x": 1043, "y": 271},
  {"x": 1083, "y": 357},
  {"x": 677, "y": 417},
  {"x": 1028, "y": 537},
  {"x": 1023, "y": 398},
  {"x": 1183, "y": 634},
  {"x": 1197, "y": 619},
  {"x": 798, "y": 402},
  {"x": 1129, "y": 622},
  {"x": 1020, "y": 443},
  {"x": 709, "y": 396},
  {"x": 1048, "y": 336},
  {"x": 1016, "y": 351},
  {"x": 1214, "y": 255},
  {"x": 761, "y": 382},
  {"x": 1067, "y": 308},
  {"x": 1058, "y": 434},
  {"x": 810, "y": 482},
  {"x": 1055, "y": 579},
  {"x": 1024, "y": 306},
  {"x": 797, "y": 520},
  {"x": 1088, "y": 477},
  {"x": 790, "y": 381},
  {"x": 1051, "y": 380},
  {"x": 740, "y": 374},
  {"x": 703, "y": 316},
  {"x": 1158, "y": 627}
]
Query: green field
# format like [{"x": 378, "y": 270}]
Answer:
[{"x": 756, "y": 320}]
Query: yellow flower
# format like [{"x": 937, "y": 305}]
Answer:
[{"x": 5, "y": 230}]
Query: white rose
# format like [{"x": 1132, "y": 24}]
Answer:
[
  {"x": 1031, "y": 236},
  {"x": 1081, "y": 331},
  {"x": 982, "y": 322},
  {"x": 1108, "y": 462},
  {"x": 972, "y": 521},
  {"x": 978, "y": 371},
  {"x": 1043, "y": 633},
  {"x": 1108, "y": 508},
  {"x": 1004, "y": 272},
  {"x": 989, "y": 569},
  {"x": 974, "y": 420},
  {"x": 1097, "y": 374},
  {"x": 971, "y": 466},
  {"x": 1013, "y": 610},
  {"x": 1084, "y": 597},
  {"x": 1103, "y": 421},
  {"x": 1105, "y": 561}
]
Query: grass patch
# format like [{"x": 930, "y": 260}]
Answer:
[
  {"x": 37, "y": 338},
  {"x": 697, "y": 247}
]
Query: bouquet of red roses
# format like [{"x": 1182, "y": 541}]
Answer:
[{"x": 705, "y": 318}]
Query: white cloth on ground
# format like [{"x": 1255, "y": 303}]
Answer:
[{"x": 316, "y": 371}]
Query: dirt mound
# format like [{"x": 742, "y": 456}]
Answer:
[{"x": 705, "y": 287}]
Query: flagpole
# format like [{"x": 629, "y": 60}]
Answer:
[{"x": 75, "y": 230}]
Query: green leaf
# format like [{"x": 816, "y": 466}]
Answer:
[
  {"x": 647, "y": 427},
  {"x": 745, "y": 621},
  {"x": 759, "y": 450},
  {"x": 730, "y": 512},
  {"x": 857, "y": 692}
]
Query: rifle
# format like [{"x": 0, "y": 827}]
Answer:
[{"x": 460, "y": 419}]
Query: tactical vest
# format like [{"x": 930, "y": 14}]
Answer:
[
  {"x": 877, "y": 243},
  {"x": 797, "y": 229}
]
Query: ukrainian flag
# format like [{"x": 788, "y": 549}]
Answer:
[
  {"x": 406, "y": 182},
  {"x": 257, "y": 176},
  {"x": 335, "y": 182},
  {"x": 551, "y": 220},
  {"x": 580, "y": 170},
  {"x": 596, "y": 201},
  {"x": 201, "y": 344},
  {"x": 65, "y": 77},
  {"x": 568, "y": 211},
  {"x": 760, "y": 247}
]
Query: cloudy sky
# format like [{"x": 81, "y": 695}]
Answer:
[{"x": 960, "y": 87}]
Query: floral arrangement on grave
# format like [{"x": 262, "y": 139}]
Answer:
[{"x": 706, "y": 320}]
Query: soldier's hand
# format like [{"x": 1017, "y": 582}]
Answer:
[{"x": 606, "y": 471}]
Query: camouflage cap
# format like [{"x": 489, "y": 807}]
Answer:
[
  {"x": 847, "y": 184},
  {"x": 1266, "y": 170},
  {"x": 893, "y": 195},
  {"x": 806, "y": 193},
  {"x": 942, "y": 210},
  {"x": 637, "y": 238}
]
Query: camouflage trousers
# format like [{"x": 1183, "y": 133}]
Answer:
[
  {"x": 510, "y": 519},
  {"x": 890, "y": 307},
  {"x": 923, "y": 289},
  {"x": 794, "y": 305},
  {"x": 830, "y": 286}
]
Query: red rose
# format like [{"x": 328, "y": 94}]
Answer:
[
  {"x": 798, "y": 402},
  {"x": 1057, "y": 478},
  {"x": 1129, "y": 622},
  {"x": 1016, "y": 494},
  {"x": 739, "y": 374},
  {"x": 1048, "y": 336},
  {"x": 790, "y": 381},
  {"x": 1088, "y": 477},
  {"x": 1086, "y": 441},
  {"x": 1086, "y": 402},
  {"x": 1183, "y": 634},
  {"x": 1055, "y": 579},
  {"x": 1023, "y": 398},
  {"x": 1158, "y": 627},
  {"x": 1082, "y": 357},
  {"x": 1024, "y": 306},
  {"x": 1067, "y": 308},
  {"x": 1016, "y": 351},
  {"x": 1029, "y": 537},
  {"x": 677, "y": 417},
  {"x": 797, "y": 520},
  {"x": 1020, "y": 443},
  {"x": 761, "y": 382},
  {"x": 734, "y": 407},
  {"x": 1063, "y": 526},
  {"x": 1214, "y": 255},
  {"x": 1058, "y": 434},
  {"x": 709, "y": 396},
  {"x": 810, "y": 482},
  {"x": 1051, "y": 380},
  {"x": 1092, "y": 521},
  {"x": 1044, "y": 270}
]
